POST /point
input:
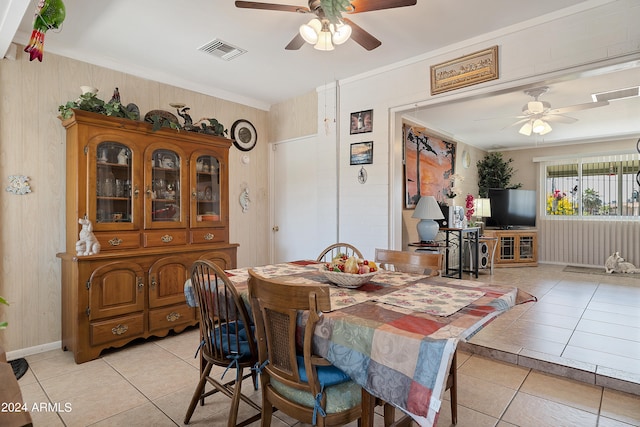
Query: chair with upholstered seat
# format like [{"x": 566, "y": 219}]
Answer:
[
  {"x": 226, "y": 330},
  {"x": 336, "y": 249},
  {"x": 410, "y": 262},
  {"x": 295, "y": 380}
]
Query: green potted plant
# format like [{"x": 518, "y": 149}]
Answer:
[
  {"x": 90, "y": 102},
  {"x": 494, "y": 172}
]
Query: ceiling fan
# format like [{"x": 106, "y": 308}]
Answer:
[
  {"x": 537, "y": 114},
  {"x": 323, "y": 34}
]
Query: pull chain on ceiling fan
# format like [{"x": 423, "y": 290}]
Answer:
[{"x": 324, "y": 34}]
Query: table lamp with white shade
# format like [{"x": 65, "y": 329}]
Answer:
[
  {"x": 482, "y": 209},
  {"x": 427, "y": 210}
]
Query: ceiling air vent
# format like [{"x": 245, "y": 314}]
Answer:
[
  {"x": 222, "y": 49},
  {"x": 616, "y": 94}
]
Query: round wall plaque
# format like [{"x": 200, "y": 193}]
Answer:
[{"x": 244, "y": 135}]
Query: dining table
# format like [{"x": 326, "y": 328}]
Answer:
[{"x": 396, "y": 334}]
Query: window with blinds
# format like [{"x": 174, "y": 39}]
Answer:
[{"x": 594, "y": 186}]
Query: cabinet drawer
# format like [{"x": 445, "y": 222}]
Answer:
[
  {"x": 168, "y": 317},
  {"x": 111, "y": 240},
  {"x": 209, "y": 235},
  {"x": 165, "y": 238},
  {"x": 116, "y": 329}
]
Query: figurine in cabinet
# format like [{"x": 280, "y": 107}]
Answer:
[
  {"x": 88, "y": 244},
  {"x": 123, "y": 157}
]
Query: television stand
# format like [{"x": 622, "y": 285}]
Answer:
[{"x": 515, "y": 247}]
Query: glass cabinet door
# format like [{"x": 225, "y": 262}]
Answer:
[
  {"x": 207, "y": 190},
  {"x": 113, "y": 183},
  {"x": 164, "y": 188}
]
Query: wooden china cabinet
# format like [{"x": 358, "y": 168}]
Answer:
[{"x": 158, "y": 201}]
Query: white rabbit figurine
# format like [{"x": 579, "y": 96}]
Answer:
[{"x": 88, "y": 244}]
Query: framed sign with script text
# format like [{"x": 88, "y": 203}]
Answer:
[{"x": 465, "y": 71}]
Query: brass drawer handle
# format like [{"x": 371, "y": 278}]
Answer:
[
  {"x": 173, "y": 316},
  {"x": 119, "y": 330},
  {"x": 167, "y": 238},
  {"x": 209, "y": 236},
  {"x": 115, "y": 241}
]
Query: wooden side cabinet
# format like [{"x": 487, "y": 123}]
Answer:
[
  {"x": 515, "y": 248},
  {"x": 158, "y": 201}
]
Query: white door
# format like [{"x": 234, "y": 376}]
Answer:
[{"x": 294, "y": 200}]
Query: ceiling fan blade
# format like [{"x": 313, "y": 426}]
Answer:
[
  {"x": 559, "y": 118},
  {"x": 296, "y": 43},
  {"x": 370, "y": 5},
  {"x": 502, "y": 118},
  {"x": 519, "y": 122},
  {"x": 271, "y": 6},
  {"x": 362, "y": 37},
  {"x": 578, "y": 107}
]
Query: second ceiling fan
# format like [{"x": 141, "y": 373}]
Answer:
[
  {"x": 323, "y": 33},
  {"x": 536, "y": 114}
]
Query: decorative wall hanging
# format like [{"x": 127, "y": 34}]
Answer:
[
  {"x": 244, "y": 199},
  {"x": 19, "y": 184},
  {"x": 428, "y": 166},
  {"x": 361, "y": 153},
  {"x": 361, "y": 122},
  {"x": 465, "y": 71},
  {"x": 49, "y": 15},
  {"x": 244, "y": 135},
  {"x": 362, "y": 175}
]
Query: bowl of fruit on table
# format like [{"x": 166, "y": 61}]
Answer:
[{"x": 349, "y": 272}]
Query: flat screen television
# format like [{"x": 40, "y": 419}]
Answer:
[{"x": 512, "y": 208}]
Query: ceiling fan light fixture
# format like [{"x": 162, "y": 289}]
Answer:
[
  {"x": 546, "y": 130},
  {"x": 538, "y": 126},
  {"x": 526, "y": 129},
  {"x": 341, "y": 34},
  {"x": 324, "y": 41},
  {"x": 310, "y": 31}
]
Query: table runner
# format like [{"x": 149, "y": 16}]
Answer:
[{"x": 430, "y": 298}]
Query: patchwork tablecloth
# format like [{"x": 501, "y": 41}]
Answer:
[{"x": 397, "y": 352}]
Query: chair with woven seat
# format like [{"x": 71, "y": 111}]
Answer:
[
  {"x": 226, "y": 330},
  {"x": 336, "y": 249},
  {"x": 294, "y": 380},
  {"x": 410, "y": 262}
]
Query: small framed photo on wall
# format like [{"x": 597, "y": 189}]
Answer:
[
  {"x": 361, "y": 153},
  {"x": 361, "y": 122}
]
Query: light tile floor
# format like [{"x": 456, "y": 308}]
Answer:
[{"x": 584, "y": 327}]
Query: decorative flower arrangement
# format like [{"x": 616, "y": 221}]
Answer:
[
  {"x": 559, "y": 204},
  {"x": 469, "y": 207}
]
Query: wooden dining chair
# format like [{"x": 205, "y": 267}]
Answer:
[
  {"x": 410, "y": 262},
  {"x": 226, "y": 331},
  {"x": 294, "y": 379},
  {"x": 334, "y": 250}
]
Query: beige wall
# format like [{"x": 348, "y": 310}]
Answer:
[
  {"x": 32, "y": 143},
  {"x": 294, "y": 118}
]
